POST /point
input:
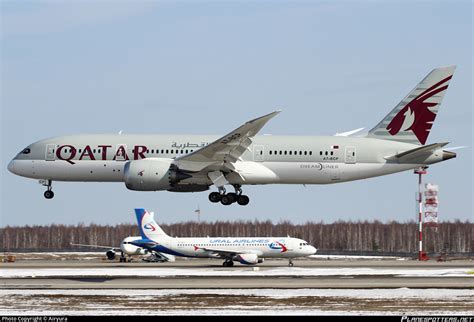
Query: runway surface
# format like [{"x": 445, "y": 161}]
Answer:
[{"x": 86, "y": 284}]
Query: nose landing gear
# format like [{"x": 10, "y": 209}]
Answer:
[
  {"x": 48, "y": 194},
  {"x": 229, "y": 198}
]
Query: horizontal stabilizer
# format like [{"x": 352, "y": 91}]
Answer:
[
  {"x": 456, "y": 148},
  {"x": 350, "y": 133},
  {"x": 417, "y": 152}
]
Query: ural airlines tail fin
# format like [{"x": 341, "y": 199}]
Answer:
[
  {"x": 411, "y": 120},
  {"x": 147, "y": 225}
]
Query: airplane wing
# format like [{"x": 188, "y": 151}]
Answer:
[
  {"x": 225, "y": 150},
  {"x": 145, "y": 243},
  {"x": 415, "y": 153},
  {"x": 223, "y": 253},
  {"x": 98, "y": 246}
]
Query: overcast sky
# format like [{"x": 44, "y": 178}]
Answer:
[{"x": 71, "y": 67}]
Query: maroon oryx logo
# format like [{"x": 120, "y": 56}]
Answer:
[
  {"x": 141, "y": 173},
  {"x": 416, "y": 115}
]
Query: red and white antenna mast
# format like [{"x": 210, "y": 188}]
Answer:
[{"x": 420, "y": 172}]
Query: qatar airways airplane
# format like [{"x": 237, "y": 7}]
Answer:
[
  {"x": 191, "y": 163},
  {"x": 246, "y": 250}
]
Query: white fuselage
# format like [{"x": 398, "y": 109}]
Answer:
[
  {"x": 263, "y": 247},
  {"x": 268, "y": 160}
]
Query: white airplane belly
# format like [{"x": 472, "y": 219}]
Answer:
[
  {"x": 248, "y": 172},
  {"x": 58, "y": 170}
]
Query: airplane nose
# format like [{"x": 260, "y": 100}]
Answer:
[
  {"x": 313, "y": 250},
  {"x": 11, "y": 166}
]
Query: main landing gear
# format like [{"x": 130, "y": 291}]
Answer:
[
  {"x": 229, "y": 198},
  {"x": 48, "y": 194},
  {"x": 228, "y": 263}
]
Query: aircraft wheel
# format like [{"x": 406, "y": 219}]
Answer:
[
  {"x": 214, "y": 197},
  {"x": 48, "y": 194},
  {"x": 233, "y": 196},
  {"x": 243, "y": 200},
  {"x": 226, "y": 200},
  {"x": 228, "y": 263}
]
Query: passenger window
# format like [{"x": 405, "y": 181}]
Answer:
[
  {"x": 305, "y": 152},
  {"x": 290, "y": 152},
  {"x": 310, "y": 152}
]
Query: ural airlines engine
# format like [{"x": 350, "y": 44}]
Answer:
[{"x": 139, "y": 174}]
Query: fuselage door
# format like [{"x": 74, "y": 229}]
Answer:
[
  {"x": 49, "y": 154},
  {"x": 258, "y": 153},
  {"x": 350, "y": 154}
]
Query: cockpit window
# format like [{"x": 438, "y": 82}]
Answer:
[{"x": 26, "y": 151}]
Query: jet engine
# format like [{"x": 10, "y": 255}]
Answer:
[
  {"x": 110, "y": 254},
  {"x": 152, "y": 174},
  {"x": 249, "y": 259}
]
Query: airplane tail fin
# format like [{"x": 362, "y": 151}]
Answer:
[
  {"x": 411, "y": 120},
  {"x": 147, "y": 225}
]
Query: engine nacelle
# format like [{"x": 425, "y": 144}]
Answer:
[
  {"x": 249, "y": 259},
  {"x": 110, "y": 255},
  {"x": 152, "y": 174}
]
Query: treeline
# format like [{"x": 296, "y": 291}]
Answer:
[{"x": 456, "y": 237}]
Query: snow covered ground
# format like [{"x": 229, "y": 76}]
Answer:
[
  {"x": 238, "y": 301},
  {"x": 237, "y": 271}
]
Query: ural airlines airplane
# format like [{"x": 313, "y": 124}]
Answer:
[
  {"x": 246, "y": 250},
  {"x": 191, "y": 163}
]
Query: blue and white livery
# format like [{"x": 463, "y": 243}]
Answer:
[{"x": 246, "y": 250}]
